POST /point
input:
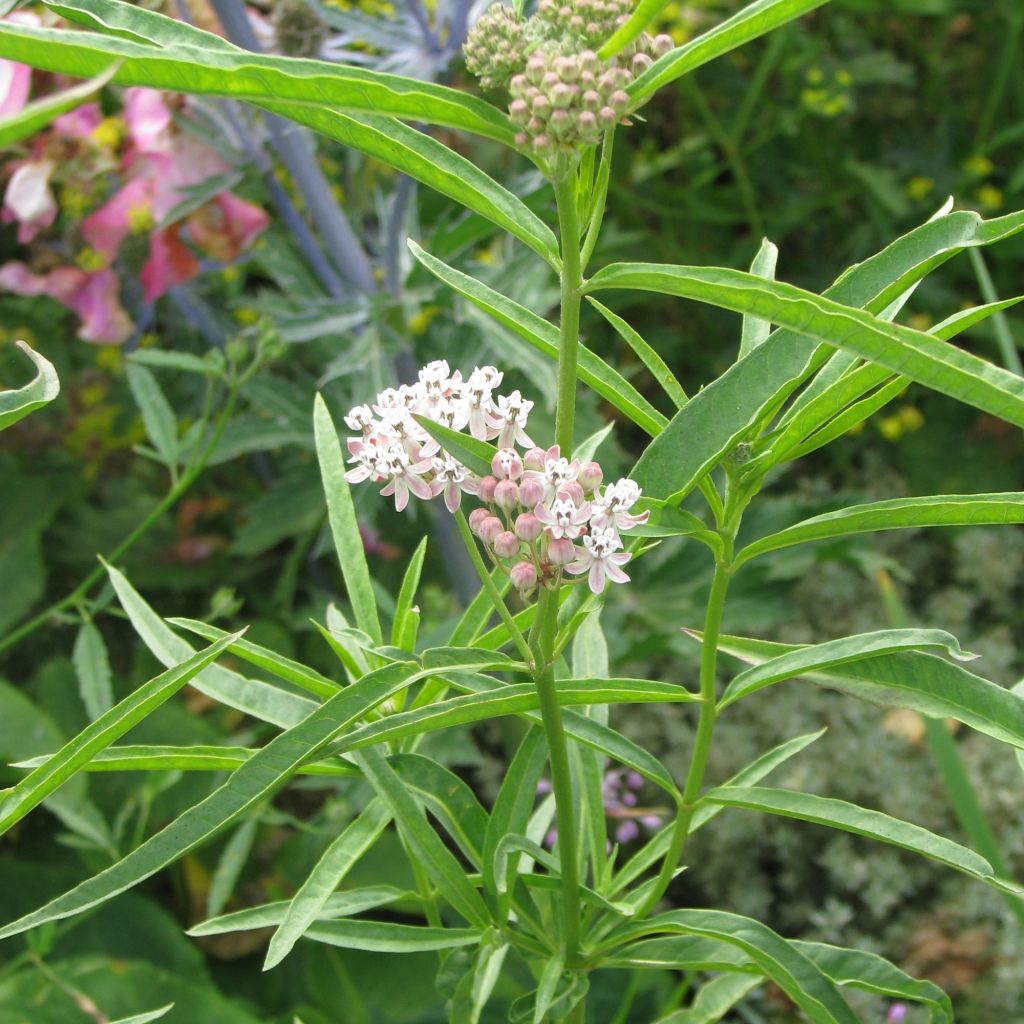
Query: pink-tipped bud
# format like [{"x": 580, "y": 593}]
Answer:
[
  {"x": 640, "y": 63},
  {"x": 542, "y": 144},
  {"x": 535, "y": 458},
  {"x": 590, "y": 476},
  {"x": 506, "y": 494},
  {"x": 528, "y": 527},
  {"x": 607, "y": 117},
  {"x": 620, "y": 101},
  {"x": 573, "y": 491},
  {"x": 485, "y": 491},
  {"x": 561, "y": 551},
  {"x": 661, "y": 45},
  {"x": 531, "y": 492},
  {"x": 523, "y": 576},
  {"x": 507, "y": 465},
  {"x": 476, "y": 517},
  {"x": 519, "y": 111},
  {"x": 489, "y": 529},
  {"x": 506, "y": 544}
]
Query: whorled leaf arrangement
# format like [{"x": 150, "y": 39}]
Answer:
[{"x": 810, "y": 367}]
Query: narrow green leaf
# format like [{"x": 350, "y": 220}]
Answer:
[
  {"x": 922, "y": 682},
  {"x": 145, "y": 1018},
  {"x": 647, "y": 355},
  {"x": 547, "y": 985},
  {"x": 714, "y": 999},
  {"x": 338, "y": 859},
  {"x": 43, "y": 388},
  {"x": 403, "y": 633},
  {"x": 136, "y": 24},
  {"x": 432, "y": 163},
  {"x": 913, "y": 354},
  {"x": 284, "y": 668},
  {"x": 896, "y": 514},
  {"x": 344, "y": 526},
  {"x": 42, "y": 781},
  {"x": 157, "y": 415},
  {"x": 750, "y": 23},
  {"x": 265, "y": 772},
  {"x": 213, "y": 69},
  {"x": 479, "y": 612},
  {"x": 230, "y": 864},
  {"x": 775, "y": 957},
  {"x": 469, "y": 450},
  {"x": 249, "y": 695},
  {"x": 382, "y": 937},
  {"x": 820, "y": 810},
  {"x": 92, "y": 667},
  {"x": 755, "y": 331},
  {"x": 682, "y": 953},
  {"x": 423, "y": 842},
  {"x": 593, "y": 371},
  {"x": 267, "y": 915},
  {"x": 35, "y": 116},
  {"x": 834, "y": 653}
]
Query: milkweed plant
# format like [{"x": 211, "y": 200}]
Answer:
[{"x": 534, "y": 886}]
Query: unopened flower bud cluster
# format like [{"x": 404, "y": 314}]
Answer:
[
  {"x": 541, "y": 514},
  {"x": 562, "y": 94}
]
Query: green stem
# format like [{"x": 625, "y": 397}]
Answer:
[
  {"x": 492, "y": 591},
  {"x": 542, "y": 637},
  {"x": 600, "y": 200},
  {"x": 687, "y": 802},
  {"x": 569, "y": 327},
  {"x": 1004, "y": 336},
  {"x": 169, "y": 500}
]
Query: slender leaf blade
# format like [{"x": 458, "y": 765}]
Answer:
[{"x": 43, "y": 388}]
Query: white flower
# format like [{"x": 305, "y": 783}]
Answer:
[
  {"x": 509, "y": 420},
  {"x": 563, "y": 518},
  {"x": 367, "y": 456},
  {"x": 602, "y": 559},
  {"x": 611, "y": 509},
  {"x": 481, "y": 384},
  {"x": 556, "y": 474},
  {"x": 405, "y": 475},
  {"x": 360, "y": 418},
  {"x": 451, "y": 478}
]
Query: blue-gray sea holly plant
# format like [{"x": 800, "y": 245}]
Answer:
[{"x": 494, "y": 900}]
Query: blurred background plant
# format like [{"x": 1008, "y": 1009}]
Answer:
[{"x": 210, "y": 268}]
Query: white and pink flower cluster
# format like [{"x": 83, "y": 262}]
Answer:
[{"x": 541, "y": 513}]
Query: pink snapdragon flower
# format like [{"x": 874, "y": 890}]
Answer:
[
  {"x": 15, "y": 78},
  {"x": 29, "y": 200},
  {"x": 601, "y": 559}
]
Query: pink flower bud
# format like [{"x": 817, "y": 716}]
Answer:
[
  {"x": 535, "y": 458},
  {"x": 486, "y": 489},
  {"x": 590, "y": 476},
  {"x": 531, "y": 492},
  {"x": 507, "y": 465},
  {"x": 489, "y": 529},
  {"x": 528, "y": 527},
  {"x": 661, "y": 45},
  {"x": 506, "y": 544},
  {"x": 506, "y": 495},
  {"x": 523, "y": 576},
  {"x": 571, "y": 490},
  {"x": 476, "y": 517},
  {"x": 561, "y": 551},
  {"x": 542, "y": 144}
]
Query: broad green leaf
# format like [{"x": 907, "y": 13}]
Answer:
[
  {"x": 835, "y": 653},
  {"x": 755, "y": 331},
  {"x": 714, "y": 999},
  {"x": 913, "y": 354},
  {"x": 264, "y": 773},
  {"x": 157, "y": 415},
  {"x": 43, "y": 388},
  {"x": 230, "y": 864},
  {"x": 215, "y": 70},
  {"x": 753, "y": 388},
  {"x": 145, "y": 1018},
  {"x": 775, "y": 957},
  {"x": 35, "y": 116},
  {"x": 249, "y": 695},
  {"x": 820, "y": 810},
  {"x": 658, "y": 845},
  {"x": 284, "y": 668},
  {"x": 592, "y": 370},
  {"x": 870, "y": 972},
  {"x": 383, "y": 937},
  {"x": 403, "y": 629},
  {"x": 896, "y": 514},
  {"x": 932, "y": 686},
  {"x": 749, "y": 23},
  {"x": 469, "y": 450},
  {"x": 267, "y": 915},
  {"x": 344, "y": 526},
  {"x": 434, "y": 164},
  {"x": 654, "y": 363},
  {"x": 89, "y": 656},
  {"x": 42, "y": 781},
  {"x": 338, "y": 859},
  {"x": 199, "y": 758},
  {"x": 423, "y": 842}
]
